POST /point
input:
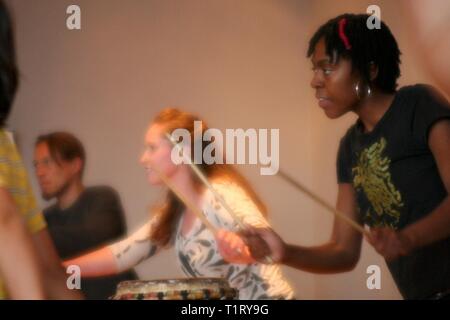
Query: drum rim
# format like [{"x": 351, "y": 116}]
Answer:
[
  {"x": 180, "y": 280},
  {"x": 222, "y": 290}
]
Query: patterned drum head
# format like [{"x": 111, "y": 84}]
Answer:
[{"x": 176, "y": 289}]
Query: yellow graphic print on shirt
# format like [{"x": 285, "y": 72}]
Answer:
[{"x": 372, "y": 176}]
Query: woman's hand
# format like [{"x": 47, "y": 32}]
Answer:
[
  {"x": 251, "y": 245},
  {"x": 233, "y": 248},
  {"x": 265, "y": 245},
  {"x": 389, "y": 243}
]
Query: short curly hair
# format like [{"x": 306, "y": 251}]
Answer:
[{"x": 365, "y": 46}]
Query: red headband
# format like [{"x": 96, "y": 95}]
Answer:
[{"x": 342, "y": 34}]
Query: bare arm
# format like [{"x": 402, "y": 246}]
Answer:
[
  {"x": 436, "y": 226},
  {"x": 433, "y": 227},
  {"x": 54, "y": 276},
  {"x": 97, "y": 263},
  {"x": 19, "y": 262},
  {"x": 341, "y": 253},
  {"x": 118, "y": 257}
]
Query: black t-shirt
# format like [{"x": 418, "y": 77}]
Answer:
[
  {"x": 397, "y": 182},
  {"x": 95, "y": 219}
]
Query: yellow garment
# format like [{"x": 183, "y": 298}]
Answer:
[{"x": 13, "y": 177}]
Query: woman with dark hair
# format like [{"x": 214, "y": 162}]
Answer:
[
  {"x": 393, "y": 164},
  {"x": 175, "y": 224}
]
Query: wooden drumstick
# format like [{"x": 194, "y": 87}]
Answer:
[
  {"x": 322, "y": 202},
  {"x": 206, "y": 182},
  {"x": 185, "y": 200}
]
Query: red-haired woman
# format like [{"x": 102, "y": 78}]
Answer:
[{"x": 174, "y": 224}]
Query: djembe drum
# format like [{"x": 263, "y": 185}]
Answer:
[{"x": 176, "y": 289}]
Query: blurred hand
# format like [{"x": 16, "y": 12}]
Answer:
[
  {"x": 233, "y": 248},
  {"x": 389, "y": 243},
  {"x": 264, "y": 243}
]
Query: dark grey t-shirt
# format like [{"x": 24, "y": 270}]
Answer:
[
  {"x": 95, "y": 219},
  {"x": 397, "y": 182}
]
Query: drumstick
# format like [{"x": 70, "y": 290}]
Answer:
[
  {"x": 203, "y": 178},
  {"x": 192, "y": 206},
  {"x": 185, "y": 200},
  {"x": 320, "y": 201},
  {"x": 205, "y": 181}
]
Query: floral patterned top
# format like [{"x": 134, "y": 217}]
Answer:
[{"x": 197, "y": 251}]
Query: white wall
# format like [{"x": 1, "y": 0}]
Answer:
[{"x": 236, "y": 63}]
